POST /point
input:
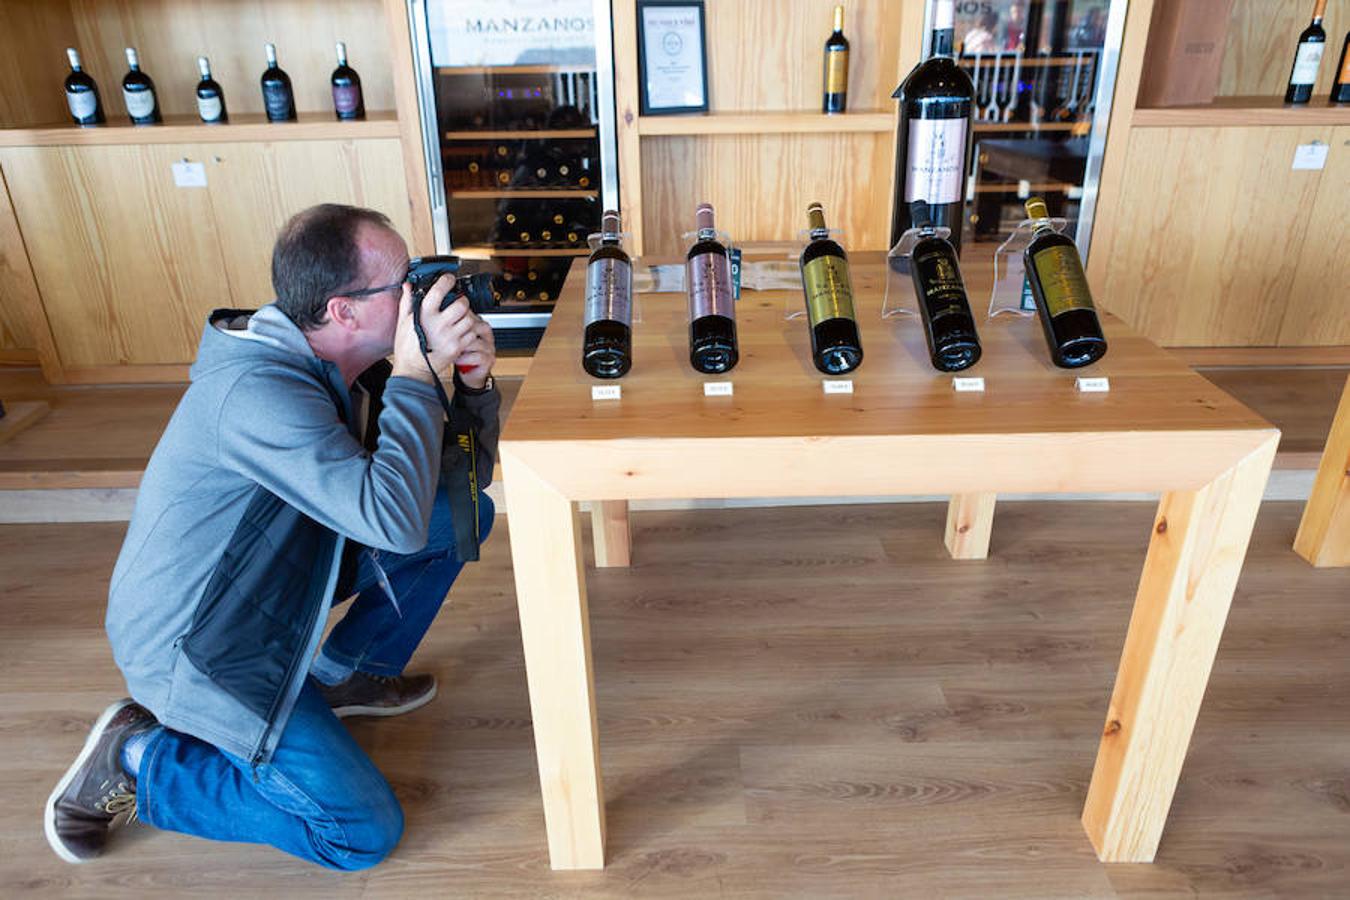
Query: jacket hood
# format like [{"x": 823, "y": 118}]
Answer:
[{"x": 234, "y": 337}]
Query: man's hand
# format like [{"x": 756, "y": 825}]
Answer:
[
  {"x": 450, "y": 333},
  {"x": 475, "y": 364}
]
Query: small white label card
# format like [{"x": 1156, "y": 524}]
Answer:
[
  {"x": 1311, "y": 156},
  {"x": 968, "y": 384},
  {"x": 606, "y": 392},
  {"x": 1094, "y": 385},
  {"x": 717, "y": 389},
  {"x": 831, "y": 386},
  {"x": 189, "y": 174}
]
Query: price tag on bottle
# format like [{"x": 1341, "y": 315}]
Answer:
[
  {"x": 1094, "y": 385},
  {"x": 974, "y": 384},
  {"x": 717, "y": 389},
  {"x": 1311, "y": 156},
  {"x": 189, "y": 174},
  {"x": 606, "y": 392},
  {"x": 837, "y": 387}
]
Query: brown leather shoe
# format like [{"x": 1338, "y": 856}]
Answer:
[
  {"x": 364, "y": 694},
  {"x": 95, "y": 791}
]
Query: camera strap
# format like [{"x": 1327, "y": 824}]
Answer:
[{"x": 459, "y": 466}]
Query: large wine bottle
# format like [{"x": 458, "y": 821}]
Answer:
[
  {"x": 210, "y": 98},
  {"x": 1311, "y": 44},
  {"x": 836, "y": 67},
  {"x": 138, "y": 90},
  {"x": 348, "y": 101},
  {"x": 278, "y": 97},
  {"x": 836, "y": 347},
  {"x": 1055, "y": 273},
  {"x": 933, "y": 140},
  {"x": 82, "y": 93},
  {"x": 948, "y": 326},
  {"x": 607, "y": 346},
  {"x": 1340, "y": 90},
  {"x": 712, "y": 315}
]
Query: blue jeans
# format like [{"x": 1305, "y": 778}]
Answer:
[{"x": 320, "y": 797}]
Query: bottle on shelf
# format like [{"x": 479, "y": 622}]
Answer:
[
  {"x": 348, "y": 101},
  {"x": 1311, "y": 44},
  {"x": 1340, "y": 90},
  {"x": 836, "y": 66},
  {"x": 607, "y": 346},
  {"x": 1059, "y": 286},
  {"x": 86, "y": 108},
  {"x": 278, "y": 97},
  {"x": 836, "y": 346},
  {"x": 934, "y": 134},
  {"x": 210, "y": 98},
  {"x": 712, "y": 315},
  {"x": 948, "y": 326},
  {"x": 138, "y": 90}
]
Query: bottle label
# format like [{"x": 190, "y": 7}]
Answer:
[
  {"x": 278, "y": 102},
  {"x": 829, "y": 290},
  {"x": 937, "y": 160},
  {"x": 209, "y": 108},
  {"x": 609, "y": 291},
  {"x": 139, "y": 103},
  {"x": 943, "y": 292},
  {"x": 346, "y": 98},
  {"x": 82, "y": 104},
  {"x": 1060, "y": 273},
  {"x": 836, "y": 72},
  {"x": 710, "y": 286},
  {"x": 1306, "y": 62}
]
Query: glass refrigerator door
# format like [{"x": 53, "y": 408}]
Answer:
[{"x": 513, "y": 106}]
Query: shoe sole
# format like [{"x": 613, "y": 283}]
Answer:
[
  {"x": 343, "y": 712},
  {"x": 49, "y": 816}
]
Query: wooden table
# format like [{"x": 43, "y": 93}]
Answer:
[
  {"x": 904, "y": 430},
  {"x": 1323, "y": 537}
]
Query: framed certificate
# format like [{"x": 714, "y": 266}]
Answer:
[{"x": 672, "y": 59}]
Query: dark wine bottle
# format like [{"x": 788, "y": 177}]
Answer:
[
  {"x": 948, "y": 326},
  {"x": 278, "y": 98},
  {"x": 1340, "y": 91},
  {"x": 607, "y": 346},
  {"x": 348, "y": 101},
  {"x": 712, "y": 315},
  {"x": 836, "y": 346},
  {"x": 934, "y": 135},
  {"x": 836, "y": 67},
  {"x": 86, "y": 108},
  {"x": 210, "y": 98},
  {"x": 138, "y": 90},
  {"x": 1311, "y": 44},
  {"x": 1059, "y": 286}
]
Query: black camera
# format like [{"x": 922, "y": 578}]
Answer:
[{"x": 424, "y": 271}]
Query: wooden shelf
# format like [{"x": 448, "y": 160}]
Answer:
[
  {"x": 875, "y": 121},
  {"x": 488, "y": 251},
  {"x": 242, "y": 128},
  {"x": 515, "y": 70},
  {"x": 1055, "y": 186},
  {"x": 1243, "y": 111},
  {"x": 996, "y": 127},
  {"x": 521, "y": 135},
  {"x": 527, "y": 194},
  {"x": 987, "y": 60}
]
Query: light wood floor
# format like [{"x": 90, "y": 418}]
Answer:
[{"x": 793, "y": 702}]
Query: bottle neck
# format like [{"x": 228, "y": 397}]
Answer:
[{"x": 942, "y": 43}]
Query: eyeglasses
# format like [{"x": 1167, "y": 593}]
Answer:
[{"x": 371, "y": 291}]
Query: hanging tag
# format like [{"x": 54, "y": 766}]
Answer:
[
  {"x": 1094, "y": 385},
  {"x": 191, "y": 174},
  {"x": 606, "y": 392},
  {"x": 717, "y": 389},
  {"x": 1311, "y": 156}
]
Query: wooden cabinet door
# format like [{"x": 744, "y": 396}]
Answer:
[
  {"x": 127, "y": 263},
  {"x": 1318, "y": 311}
]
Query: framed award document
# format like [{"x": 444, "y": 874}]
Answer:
[{"x": 672, "y": 59}]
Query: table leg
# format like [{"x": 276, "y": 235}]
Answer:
[
  {"x": 546, "y": 550},
  {"x": 1195, "y": 554},
  {"x": 1323, "y": 537},
  {"x": 970, "y": 519},
  {"x": 610, "y": 533}
]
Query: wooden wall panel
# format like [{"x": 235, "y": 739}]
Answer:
[
  {"x": 1210, "y": 229},
  {"x": 34, "y": 35},
  {"x": 19, "y": 300},
  {"x": 1317, "y": 310},
  {"x": 761, "y": 184},
  {"x": 1262, "y": 38}
]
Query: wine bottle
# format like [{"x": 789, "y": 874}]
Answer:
[
  {"x": 348, "y": 101},
  {"x": 836, "y": 347},
  {"x": 934, "y": 135},
  {"x": 836, "y": 66},
  {"x": 138, "y": 90},
  {"x": 712, "y": 317},
  {"x": 86, "y": 108},
  {"x": 210, "y": 98},
  {"x": 607, "y": 346},
  {"x": 1059, "y": 286},
  {"x": 1340, "y": 91},
  {"x": 1311, "y": 44},
  {"x": 278, "y": 98},
  {"x": 948, "y": 326}
]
